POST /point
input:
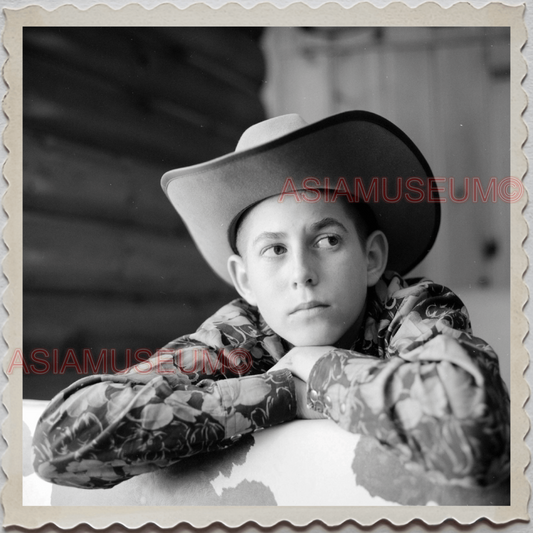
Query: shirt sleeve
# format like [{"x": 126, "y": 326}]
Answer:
[
  {"x": 184, "y": 400},
  {"x": 436, "y": 398}
]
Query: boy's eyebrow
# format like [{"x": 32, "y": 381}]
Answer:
[
  {"x": 272, "y": 235},
  {"x": 326, "y": 222}
]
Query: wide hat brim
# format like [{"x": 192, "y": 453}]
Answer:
[{"x": 356, "y": 148}]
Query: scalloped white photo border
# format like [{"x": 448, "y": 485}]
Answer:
[{"x": 396, "y": 14}]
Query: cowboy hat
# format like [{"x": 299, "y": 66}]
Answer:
[{"x": 356, "y": 153}]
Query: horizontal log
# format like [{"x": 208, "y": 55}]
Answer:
[
  {"x": 64, "y": 177},
  {"x": 206, "y": 84},
  {"x": 53, "y": 321},
  {"x": 230, "y": 49},
  {"x": 128, "y": 331},
  {"x": 147, "y": 68},
  {"x": 84, "y": 109},
  {"x": 69, "y": 254}
]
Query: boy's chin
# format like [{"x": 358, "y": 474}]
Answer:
[
  {"x": 317, "y": 336},
  {"x": 311, "y": 339}
]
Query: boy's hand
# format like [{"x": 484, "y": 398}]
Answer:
[{"x": 301, "y": 359}]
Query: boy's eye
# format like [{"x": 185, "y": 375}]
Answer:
[
  {"x": 330, "y": 241},
  {"x": 274, "y": 250}
]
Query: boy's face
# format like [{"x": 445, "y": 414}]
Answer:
[{"x": 304, "y": 267}]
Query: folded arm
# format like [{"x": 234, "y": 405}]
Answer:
[
  {"x": 435, "y": 397},
  {"x": 199, "y": 393},
  {"x": 438, "y": 408},
  {"x": 105, "y": 429}
]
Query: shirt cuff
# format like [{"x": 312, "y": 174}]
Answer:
[{"x": 255, "y": 402}]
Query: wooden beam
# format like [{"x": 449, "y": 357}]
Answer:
[
  {"x": 70, "y": 254},
  {"x": 79, "y": 107},
  {"x": 142, "y": 64},
  {"x": 230, "y": 53},
  {"x": 68, "y": 178},
  {"x": 93, "y": 322}
]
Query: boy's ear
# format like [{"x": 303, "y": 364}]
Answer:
[
  {"x": 377, "y": 254},
  {"x": 239, "y": 277}
]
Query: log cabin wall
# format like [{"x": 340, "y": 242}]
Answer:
[{"x": 108, "y": 264}]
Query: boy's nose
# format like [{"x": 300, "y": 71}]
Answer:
[{"x": 303, "y": 272}]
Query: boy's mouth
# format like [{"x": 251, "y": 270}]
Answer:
[{"x": 307, "y": 306}]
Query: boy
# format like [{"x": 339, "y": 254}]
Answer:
[{"x": 322, "y": 330}]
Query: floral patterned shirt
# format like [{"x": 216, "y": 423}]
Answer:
[{"x": 415, "y": 379}]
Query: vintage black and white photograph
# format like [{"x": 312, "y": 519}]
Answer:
[{"x": 266, "y": 266}]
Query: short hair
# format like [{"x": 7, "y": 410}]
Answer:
[{"x": 361, "y": 214}]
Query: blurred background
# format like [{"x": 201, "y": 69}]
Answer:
[{"x": 108, "y": 265}]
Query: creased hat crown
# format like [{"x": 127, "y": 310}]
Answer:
[{"x": 268, "y": 130}]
